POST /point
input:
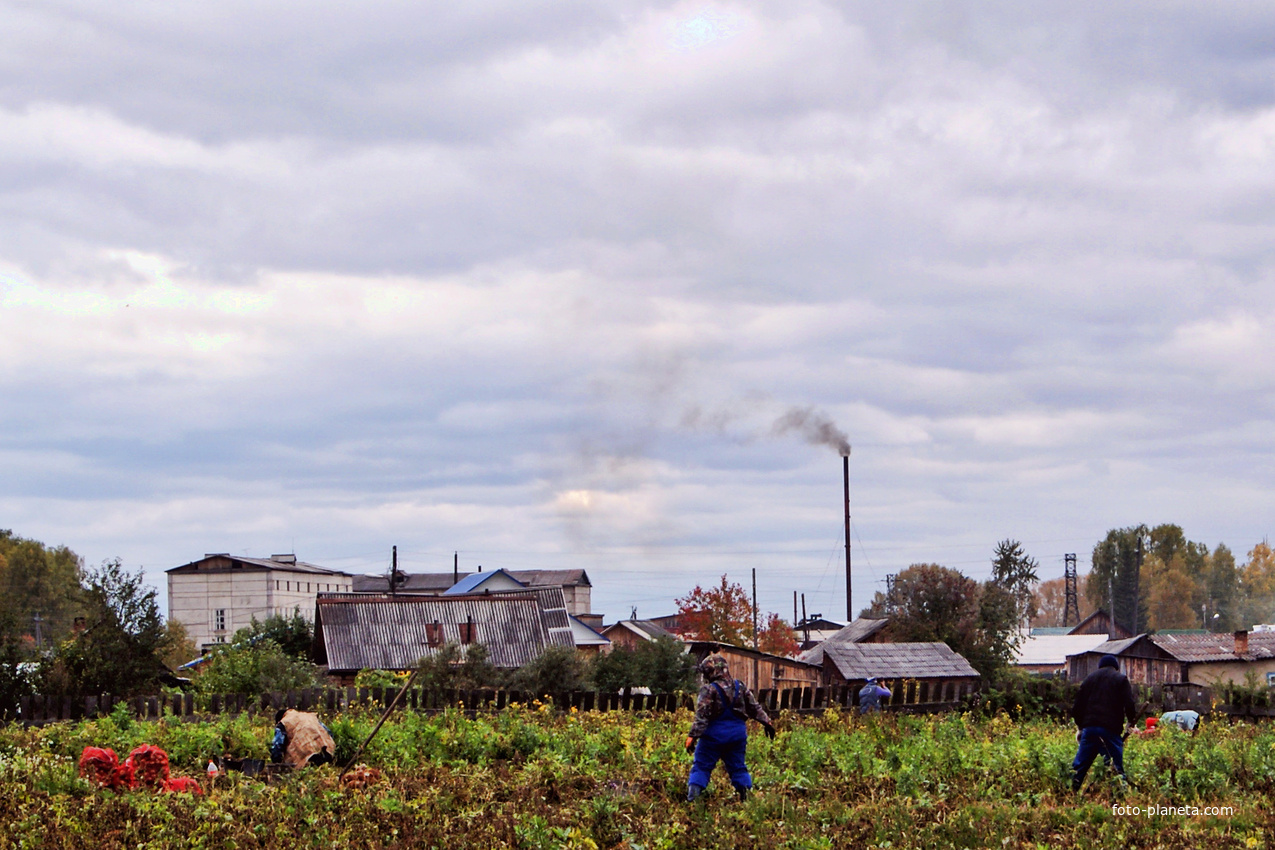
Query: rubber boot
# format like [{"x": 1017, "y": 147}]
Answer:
[
  {"x": 693, "y": 792},
  {"x": 742, "y": 792}
]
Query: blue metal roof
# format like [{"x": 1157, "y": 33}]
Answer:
[{"x": 474, "y": 581}]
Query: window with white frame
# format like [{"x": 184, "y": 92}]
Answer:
[{"x": 219, "y": 620}]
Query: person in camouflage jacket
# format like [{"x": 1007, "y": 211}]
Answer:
[{"x": 719, "y": 732}]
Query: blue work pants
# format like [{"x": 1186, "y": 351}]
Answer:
[
  {"x": 725, "y": 740},
  {"x": 1096, "y": 741}
]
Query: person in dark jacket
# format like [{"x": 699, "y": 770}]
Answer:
[
  {"x": 1103, "y": 705},
  {"x": 719, "y": 732}
]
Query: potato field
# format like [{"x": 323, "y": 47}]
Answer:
[{"x": 531, "y": 777}]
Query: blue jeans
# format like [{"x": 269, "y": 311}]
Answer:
[{"x": 1095, "y": 741}]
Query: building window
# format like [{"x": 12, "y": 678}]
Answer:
[
  {"x": 1270, "y": 679},
  {"x": 276, "y": 585},
  {"x": 219, "y": 620},
  {"x": 307, "y": 587}
]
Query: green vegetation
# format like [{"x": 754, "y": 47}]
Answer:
[{"x": 533, "y": 778}]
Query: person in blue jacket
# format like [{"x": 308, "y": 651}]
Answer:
[
  {"x": 719, "y": 732},
  {"x": 871, "y": 694}
]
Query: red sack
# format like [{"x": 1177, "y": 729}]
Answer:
[
  {"x": 149, "y": 765},
  {"x": 179, "y": 784},
  {"x": 98, "y": 765},
  {"x": 122, "y": 778}
]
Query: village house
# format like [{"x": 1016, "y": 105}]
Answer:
[
  {"x": 1202, "y": 658},
  {"x": 354, "y": 632}
]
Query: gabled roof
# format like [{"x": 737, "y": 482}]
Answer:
[
  {"x": 562, "y": 578},
  {"x": 223, "y": 562},
  {"x": 475, "y": 581},
  {"x": 897, "y": 661},
  {"x": 1196, "y": 648},
  {"x": 585, "y": 635},
  {"x": 644, "y": 629},
  {"x": 860, "y": 630},
  {"x": 355, "y": 632}
]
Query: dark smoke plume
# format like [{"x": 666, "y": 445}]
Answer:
[{"x": 815, "y": 427}]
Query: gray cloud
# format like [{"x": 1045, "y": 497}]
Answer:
[{"x": 536, "y": 282}]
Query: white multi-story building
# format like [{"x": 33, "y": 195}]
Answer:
[{"x": 220, "y": 593}]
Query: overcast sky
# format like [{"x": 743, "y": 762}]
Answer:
[{"x": 540, "y": 282}]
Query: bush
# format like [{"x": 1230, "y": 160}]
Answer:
[
  {"x": 663, "y": 665},
  {"x": 555, "y": 669},
  {"x": 254, "y": 670}
]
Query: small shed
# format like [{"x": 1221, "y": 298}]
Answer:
[
  {"x": 917, "y": 673},
  {"x": 760, "y": 670},
  {"x": 1141, "y": 659},
  {"x": 862, "y": 630},
  {"x": 632, "y": 633}
]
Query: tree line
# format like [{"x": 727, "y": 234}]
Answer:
[{"x": 1154, "y": 578}]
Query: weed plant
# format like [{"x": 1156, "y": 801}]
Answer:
[{"x": 531, "y": 777}]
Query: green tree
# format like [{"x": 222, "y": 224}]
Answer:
[
  {"x": 1115, "y": 565},
  {"x": 40, "y": 582},
  {"x": 1016, "y": 572},
  {"x": 1257, "y": 581},
  {"x": 1222, "y": 592},
  {"x": 294, "y": 634},
  {"x": 934, "y": 603},
  {"x": 120, "y": 649}
]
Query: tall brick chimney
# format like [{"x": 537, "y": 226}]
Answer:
[{"x": 1241, "y": 642}]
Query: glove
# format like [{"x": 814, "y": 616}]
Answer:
[
  {"x": 690, "y": 745},
  {"x": 770, "y": 731}
]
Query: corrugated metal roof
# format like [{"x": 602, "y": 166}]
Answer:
[
  {"x": 390, "y": 633},
  {"x": 1195, "y": 648},
  {"x": 898, "y": 661},
  {"x": 861, "y": 629}
]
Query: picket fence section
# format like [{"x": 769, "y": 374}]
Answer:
[{"x": 39, "y": 709}]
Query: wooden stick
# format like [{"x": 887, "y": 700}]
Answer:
[{"x": 379, "y": 723}]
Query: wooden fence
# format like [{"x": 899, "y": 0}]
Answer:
[{"x": 38, "y": 709}]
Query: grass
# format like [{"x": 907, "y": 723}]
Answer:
[{"x": 530, "y": 778}]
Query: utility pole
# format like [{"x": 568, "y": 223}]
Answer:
[
  {"x": 1071, "y": 609},
  {"x": 39, "y": 633},
  {"x": 1137, "y": 578},
  {"x": 805, "y": 621},
  {"x": 1111, "y": 600},
  {"x": 845, "y": 474},
  {"x": 754, "y": 607},
  {"x": 889, "y": 593}
]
